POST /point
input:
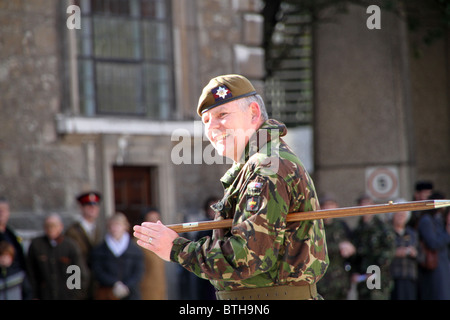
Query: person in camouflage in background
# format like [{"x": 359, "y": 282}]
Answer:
[
  {"x": 335, "y": 284},
  {"x": 374, "y": 241},
  {"x": 261, "y": 256}
]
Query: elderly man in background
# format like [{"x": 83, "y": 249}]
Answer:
[{"x": 49, "y": 258}]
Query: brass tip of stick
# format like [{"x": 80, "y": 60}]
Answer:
[{"x": 441, "y": 203}]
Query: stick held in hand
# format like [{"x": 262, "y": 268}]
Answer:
[{"x": 322, "y": 214}]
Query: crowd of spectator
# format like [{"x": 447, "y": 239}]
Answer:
[
  {"x": 397, "y": 256},
  {"x": 409, "y": 250}
]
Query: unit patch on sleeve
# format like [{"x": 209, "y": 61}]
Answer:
[
  {"x": 254, "y": 190},
  {"x": 253, "y": 203}
]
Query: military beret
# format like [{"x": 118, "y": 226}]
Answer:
[
  {"x": 224, "y": 89},
  {"x": 91, "y": 197}
]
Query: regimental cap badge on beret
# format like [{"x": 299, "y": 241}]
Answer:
[
  {"x": 221, "y": 93},
  {"x": 224, "y": 89},
  {"x": 89, "y": 198}
]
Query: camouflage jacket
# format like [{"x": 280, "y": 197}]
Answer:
[
  {"x": 336, "y": 282},
  {"x": 375, "y": 245},
  {"x": 261, "y": 249}
]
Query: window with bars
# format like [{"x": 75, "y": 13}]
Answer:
[
  {"x": 289, "y": 85},
  {"x": 125, "y": 64}
]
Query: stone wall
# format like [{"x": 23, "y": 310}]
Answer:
[
  {"x": 378, "y": 106},
  {"x": 35, "y": 169},
  {"x": 430, "y": 87},
  {"x": 230, "y": 36}
]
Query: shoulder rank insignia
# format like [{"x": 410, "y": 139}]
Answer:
[{"x": 254, "y": 188}]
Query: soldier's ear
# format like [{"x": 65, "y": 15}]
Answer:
[{"x": 255, "y": 111}]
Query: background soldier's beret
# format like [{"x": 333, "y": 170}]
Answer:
[
  {"x": 91, "y": 197},
  {"x": 224, "y": 89}
]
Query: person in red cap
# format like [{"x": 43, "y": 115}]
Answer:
[{"x": 85, "y": 232}]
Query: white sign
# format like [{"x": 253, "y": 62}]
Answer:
[{"x": 382, "y": 183}]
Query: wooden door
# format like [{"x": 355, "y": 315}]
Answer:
[{"x": 133, "y": 190}]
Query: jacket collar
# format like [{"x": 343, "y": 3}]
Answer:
[{"x": 269, "y": 132}]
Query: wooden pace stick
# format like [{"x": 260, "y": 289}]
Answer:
[{"x": 322, "y": 214}]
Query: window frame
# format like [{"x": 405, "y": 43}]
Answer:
[{"x": 88, "y": 63}]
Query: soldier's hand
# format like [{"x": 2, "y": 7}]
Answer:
[{"x": 155, "y": 237}]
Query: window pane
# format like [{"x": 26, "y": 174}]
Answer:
[
  {"x": 115, "y": 38},
  {"x": 153, "y": 9},
  {"x": 157, "y": 95},
  {"x": 155, "y": 40},
  {"x": 110, "y": 7},
  {"x": 118, "y": 88}
]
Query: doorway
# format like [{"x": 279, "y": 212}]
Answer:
[{"x": 134, "y": 190}]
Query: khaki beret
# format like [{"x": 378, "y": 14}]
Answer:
[{"x": 224, "y": 89}]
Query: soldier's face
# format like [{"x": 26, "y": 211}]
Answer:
[
  {"x": 90, "y": 212},
  {"x": 229, "y": 128},
  {"x": 423, "y": 194}
]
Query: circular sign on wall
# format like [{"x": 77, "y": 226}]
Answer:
[{"x": 382, "y": 182}]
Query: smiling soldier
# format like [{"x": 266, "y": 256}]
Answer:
[{"x": 261, "y": 256}]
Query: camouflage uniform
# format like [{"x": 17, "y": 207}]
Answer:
[
  {"x": 336, "y": 282},
  {"x": 375, "y": 245},
  {"x": 261, "y": 249}
]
